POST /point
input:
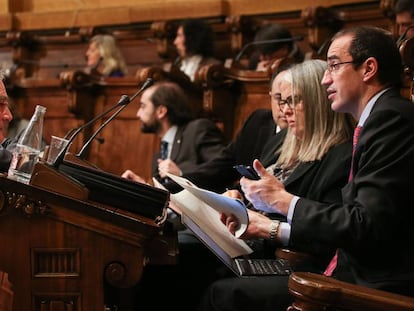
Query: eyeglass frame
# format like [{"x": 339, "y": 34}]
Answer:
[
  {"x": 290, "y": 101},
  {"x": 336, "y": 66}
]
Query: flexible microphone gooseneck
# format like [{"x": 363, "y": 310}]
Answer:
[
  {"x": 244, "y": 48},
  {"x": 123, "y": 101}
]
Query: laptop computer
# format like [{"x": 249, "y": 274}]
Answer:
[{"x": 242, "y": 266}]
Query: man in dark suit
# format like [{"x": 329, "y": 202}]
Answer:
[
  {"x": 260, "y": 137},
  {"x": 5, "y": 117},
  {"x": 165, "y": 111},
  {"x": 363, "y": 78}
]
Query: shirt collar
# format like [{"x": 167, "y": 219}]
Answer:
[
  {"x": 367, "y": 110},
  {"x": 170, "y": 135}
]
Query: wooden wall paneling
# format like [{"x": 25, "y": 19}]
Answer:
[
  {"x": 5, "y": 21},
  {"x": 365, "y": 14},
  {"x": 6, "y": 53},
  {"x": 321, "y": 23},
  {"x": 231, "y": 94}
]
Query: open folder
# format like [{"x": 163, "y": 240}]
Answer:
[
  {"x": 200, "y": 212},
  {"x": 216, "y": 201}
]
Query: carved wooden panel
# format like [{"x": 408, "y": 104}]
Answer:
[{"x": 51, "y": 262}]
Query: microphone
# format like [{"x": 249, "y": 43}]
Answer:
[
  {"x": 122, "y": 103},
  {"x": 244, "y": 48}
]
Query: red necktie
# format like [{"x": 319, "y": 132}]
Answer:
[{"x": 332, "y": 264}]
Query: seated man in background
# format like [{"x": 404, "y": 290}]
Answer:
[
  {"x": 266, "y": 54},
  {"x": 6, "y": 144},
  {"x": 186, "y": 143},
  {"x": 404, "y": 19},
  {"x": 260, "y": 137}
]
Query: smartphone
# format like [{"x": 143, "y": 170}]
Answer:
[{"x": 247, "y": 171}]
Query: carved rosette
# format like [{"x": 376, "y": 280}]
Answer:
[{"x": 28, "y": 206}]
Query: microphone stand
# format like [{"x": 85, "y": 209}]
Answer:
[{"x": 123, "y": 101}]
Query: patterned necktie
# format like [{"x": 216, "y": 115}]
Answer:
[
  {"x": 164, "y": 150},
  {"x": 332, "y": 264}
]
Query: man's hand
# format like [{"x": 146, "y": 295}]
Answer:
[
  {"x": 168, "y": 166},
  {"x": 259, "y": 225},
  {"x": 128, "y": 174},
  {"x": 267, "y": 191}
]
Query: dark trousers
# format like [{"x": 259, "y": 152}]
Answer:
[{"x": 247, "y": 294}]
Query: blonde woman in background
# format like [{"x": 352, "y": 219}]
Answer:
[{"x": 104, "y": 57}]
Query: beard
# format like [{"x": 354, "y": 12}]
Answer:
[{"x": 151, "y": 128}]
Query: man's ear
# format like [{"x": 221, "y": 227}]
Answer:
[
  {"x": 370, "y": 68},
  {"x": 161, "y": 111}
]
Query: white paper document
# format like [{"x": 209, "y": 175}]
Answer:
[
  {"x": 198, "y": 213},
  {"x": 218, "y": 202}
]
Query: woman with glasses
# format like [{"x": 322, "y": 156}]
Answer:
[{"x": 314, "y": 163}]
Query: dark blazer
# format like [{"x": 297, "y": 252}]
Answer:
[
  {"x": 373, "y": 226},
  {"x": 195, "y": 143},
  {"x": 321, "y": 181},
  {"x": 256, "y": 139},
  {"x": 5, "y": 154}
]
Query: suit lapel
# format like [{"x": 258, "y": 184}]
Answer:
[
  {"x": 178, "y": 139},
  {"x": 299, "y": 172},
  {"x": 268, "y": 156}
]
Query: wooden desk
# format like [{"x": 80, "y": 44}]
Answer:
[{"x": 59, "y": 251}]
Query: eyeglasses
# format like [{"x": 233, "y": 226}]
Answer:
[
  {"x": 335, "y": 66},
  {"x": 290, "y": 102}
]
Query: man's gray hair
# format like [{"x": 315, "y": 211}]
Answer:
[{"x": 2, "y": 74}]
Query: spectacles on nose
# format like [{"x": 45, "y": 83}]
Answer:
[
  {"x": 290, "y": 102},
  {"x": 335, "y": 66}
]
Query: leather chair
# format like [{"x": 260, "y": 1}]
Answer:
[{"x": 313, "y": 292}]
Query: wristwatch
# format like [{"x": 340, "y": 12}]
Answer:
[{"x": 274, "y": 228}]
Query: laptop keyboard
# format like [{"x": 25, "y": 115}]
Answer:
[{"x": 263, "y": 266}]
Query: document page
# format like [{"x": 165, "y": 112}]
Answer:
[
  {"x": 205, "y": 222},
  {"x": 216, "y": 201}
]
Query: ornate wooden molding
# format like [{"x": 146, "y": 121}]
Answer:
[{"x": 28, "y": 206}]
